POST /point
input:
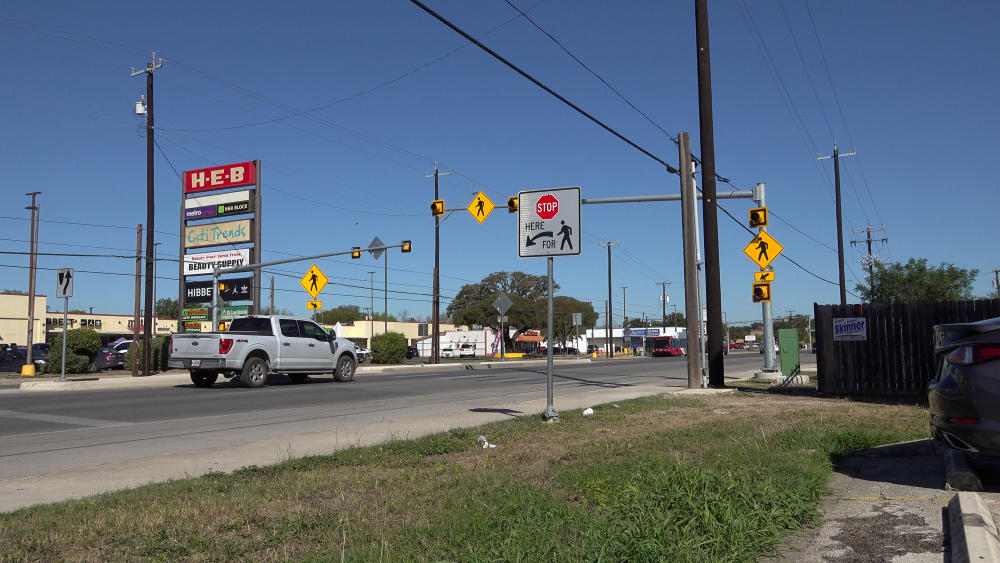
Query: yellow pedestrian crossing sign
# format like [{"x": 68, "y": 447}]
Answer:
[
  {"x": 314, "y": 281},
  {"x": 480, "y": 207},
  {"x": 314, "y": 305},
  {"x": 763, "y": 276},
  {"x": 763, "y": 249}
]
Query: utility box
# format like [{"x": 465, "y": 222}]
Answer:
[{"x": 788, "y": 346}]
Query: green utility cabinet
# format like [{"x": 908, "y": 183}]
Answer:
[{"x": 788, "y": 346}]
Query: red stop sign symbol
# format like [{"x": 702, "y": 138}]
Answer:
[{"x": 547, "y": 206}]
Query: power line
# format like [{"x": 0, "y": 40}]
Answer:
[
  {"x": 591, "y": 71},
  {"x": 840, "y": 109},
  {"x": 538, "y": 83}
]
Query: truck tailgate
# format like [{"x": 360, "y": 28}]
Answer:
[{"x": 195, "y": 346}]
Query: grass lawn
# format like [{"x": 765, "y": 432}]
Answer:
[{"x": 720, "y": 478}]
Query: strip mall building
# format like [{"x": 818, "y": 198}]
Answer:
[{"x": 14, "y": 324}]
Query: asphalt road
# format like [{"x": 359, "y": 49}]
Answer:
[{"x": 54, "y": 445}]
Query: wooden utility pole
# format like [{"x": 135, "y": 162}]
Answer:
[
  {"x": 150, "y": 204},
  {"x": 840, "y": 222},
  {"x": 134, "y": 348},
  {"x": 709, "y": 204}
]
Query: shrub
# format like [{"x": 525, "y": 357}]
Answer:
[
  {"x": 388, "y": 348},
  {"x": 159, "y": 354},
  {"x": 82, "y": 345}
]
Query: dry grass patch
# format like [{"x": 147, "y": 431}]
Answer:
[{"x": 555, "y": 492}]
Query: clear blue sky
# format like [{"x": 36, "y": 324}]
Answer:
[{"x": 916, "y": 84}]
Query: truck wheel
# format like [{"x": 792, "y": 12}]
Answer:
[
  {"x": 345, "y": 369},
  {"x": 204, "y": 378},
  {"x": 254, "y": 372},
  {"x": 298, "y": 377}
]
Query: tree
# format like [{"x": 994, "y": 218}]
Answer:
[
  {"x": 916, "y": 282},
  {"x": 473, "y": 306},
  {"x": 563, "y": 308},
  {"x": 15, "y": 292},
  {"x": 344, "y": 314},
  {"x": 676, "y": 319},
  {"x": 165, "y": 308}
]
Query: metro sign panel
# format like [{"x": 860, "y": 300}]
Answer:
[{"x": 220, "y": 177}]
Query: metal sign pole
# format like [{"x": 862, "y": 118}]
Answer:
[
  {"x": 550, "y": 411},
  {"x": 65, "y": 311}
]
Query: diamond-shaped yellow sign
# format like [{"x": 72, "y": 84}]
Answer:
[
  {"x": 314, "y": 281},
  {"x": 763, "y": 249},
  {"x": 480, "y": 207}
]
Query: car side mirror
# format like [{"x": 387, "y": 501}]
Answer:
[{"x": 333, "y": 335}]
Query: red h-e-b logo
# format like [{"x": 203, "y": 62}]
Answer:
[{"x": 547, "y": 206}]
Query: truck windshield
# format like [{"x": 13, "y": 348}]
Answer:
[{"x": 256, "y": 324}]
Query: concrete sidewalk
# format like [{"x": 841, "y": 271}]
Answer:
[{"x": 892, "y": 503}]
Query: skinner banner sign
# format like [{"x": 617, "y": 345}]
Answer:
[{"x": 850, "y": 329}]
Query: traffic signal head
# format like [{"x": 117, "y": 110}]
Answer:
[
  {"x": 758, "y": 217},
  {"x": 761, "y": 292},
  {"x": 437, "y": 207},
  {"x": 406, "y": 246},
  {"x": 355, "y": 252},
  {"x": 512, "y": 204}
]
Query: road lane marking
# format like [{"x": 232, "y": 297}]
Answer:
[{"x": 71, "y": 420}]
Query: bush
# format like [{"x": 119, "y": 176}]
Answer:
[
  {"x": 388, "y": 348},
  {"x": 159, "y": 354},
  {"x": 82, "y": 345}
]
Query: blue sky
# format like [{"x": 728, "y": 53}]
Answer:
[{"x": 916, "y": 84}]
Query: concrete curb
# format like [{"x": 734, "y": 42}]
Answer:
[
  {"x": 957, "y": 474},
  {"x": 973, "y": 532},
  {"x": 181, "y": 377}
]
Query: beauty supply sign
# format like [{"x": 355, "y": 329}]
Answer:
[{"x": 205, "y": 262}]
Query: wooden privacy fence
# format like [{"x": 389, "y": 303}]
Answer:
[{"x": 897, "y": 355}]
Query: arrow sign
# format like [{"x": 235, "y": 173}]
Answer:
[
  {"x": 763, "y": 276},
  {"x": 530, "y": 240},
  {"x": 64, "y": 283}
]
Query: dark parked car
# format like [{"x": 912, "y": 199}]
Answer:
[
  {"x": 107, "y": 358},
  {"x": 412, "y": 352},
  {"x": 964, "y": 399}
]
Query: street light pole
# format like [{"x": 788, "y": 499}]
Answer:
[
  {"x": 29, "y": 366},
  {"x": 371, "y": 310}
]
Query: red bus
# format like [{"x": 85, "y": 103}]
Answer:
[{"x": 667, "y": 346}]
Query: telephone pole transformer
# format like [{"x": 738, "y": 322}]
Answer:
[{"x": 869, "y": 260}]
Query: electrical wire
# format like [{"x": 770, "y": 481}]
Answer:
[
  {"x": 840, "y": 109},
  {"x": 538, "y": 83}
]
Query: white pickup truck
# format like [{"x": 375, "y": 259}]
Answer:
[{"x": 257, "y": 346}]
